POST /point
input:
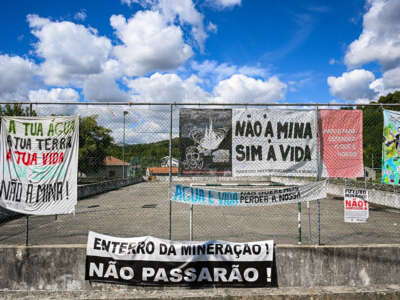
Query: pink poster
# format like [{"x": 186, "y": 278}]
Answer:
[{"x": 341, "y": 143}]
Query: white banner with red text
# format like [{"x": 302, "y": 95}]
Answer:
[{"x": 39, "y": 164}]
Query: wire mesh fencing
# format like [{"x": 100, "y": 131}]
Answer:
[{"x": 140, "y": 143}]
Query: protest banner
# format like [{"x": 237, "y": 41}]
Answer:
[
  {"x": 341, "y": 143},
  {"x": 391, "y": 147},
  {"x": 39, "y": 164},
  {"x": 259, "y": 197},
  {"x": 356, "y": 209},
  {"x": 152, "y": 261},
  {"x": 279, "y": 142},
  {"x": 205, "y": 142}
]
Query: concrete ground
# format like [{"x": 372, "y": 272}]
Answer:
[
  {"x": 387, "y": 292},
  {"x": 143, "y": 209}
]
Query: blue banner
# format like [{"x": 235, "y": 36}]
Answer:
[{"x": 255, "y": 197}]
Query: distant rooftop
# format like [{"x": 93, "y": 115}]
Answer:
[
  {"x": 113, "y": 161},
  {"x": 162, "y": 170}
]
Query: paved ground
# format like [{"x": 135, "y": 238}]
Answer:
[
  {"x": 143, "y": 209},
  {"x": 321, "y": 293}
]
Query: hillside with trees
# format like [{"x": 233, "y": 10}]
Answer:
[
  {"x": 94, "y": 144},
  {"x": 150, "y": 154}
]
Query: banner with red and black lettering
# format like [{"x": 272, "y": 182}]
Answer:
[
  {"x": 151, "y": 261},
  {"x": 356, "y": 209},
  {"x": 39, "y": 164}
]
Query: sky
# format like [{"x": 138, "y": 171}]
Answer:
[{"x": 221, "y": 51}]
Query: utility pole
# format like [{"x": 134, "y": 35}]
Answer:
[{"x": 123, "y": 148}]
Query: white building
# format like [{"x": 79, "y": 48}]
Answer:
[{"x": 165, "y": 162}]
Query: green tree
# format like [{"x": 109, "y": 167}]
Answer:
[
  {"x": 373, "y": 126},
  {"x": 15, "y": 110},
  {"x": 94, "y": 141},
  {"x": 149, "y": 154}
]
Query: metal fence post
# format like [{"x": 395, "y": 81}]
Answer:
[
  {"x": 309, "y": 222},
  {"x": 372, "y": 161},
  {"x": 299, "y": 221},
  {"x": 170, "y": 174},
  {"x": 27, "y": 231},
  {"x": 318, "y": 178},
  {"x": 27, "y": 216},
  {"x": 123, "y": 147},
  {"x": 191, "y": 223}
]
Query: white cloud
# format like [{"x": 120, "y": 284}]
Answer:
[
  {"x": 379, "y": 42},
  {"x": 352, "y": 85},
  {"x": 70, "y": 51},
  {"x": 222, "y": 71},
  {"x": 144, "y": 3},
  {"x": 251, "y": 71},
  {"x": 222, "y": 4},
  {"x": 167, "y": 88},
  {"x": 149, "y": 132},
  {"x": 240, "y": 88},
  {"x": 211, "y": 27},
  {"x": 382, "y": 87},
  {"x": 113, "y": 67},
  {"x": 380, "y": 38},
  {"x": 363, "y": 101},
  {"x": 80, "y": 15},
  {"x": 391, "y": 78},
  {"x": 172, "y": 88},
  {"x": 149, "y": 43},
  {"x": 55, "y": 95},
  {"x": 102, "y": 87},
  {"x": 186, "y": 12},
  {"x": 37, "y": 22},
  {"x": 183, "y": 11},
  {"x": 142, "y": 124},
  {"x": 17, "y": 76}
]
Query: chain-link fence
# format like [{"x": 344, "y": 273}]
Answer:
[{"x": 141, "y": 142}]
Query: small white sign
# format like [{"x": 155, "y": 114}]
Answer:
[{"x": 356, "y": 209}]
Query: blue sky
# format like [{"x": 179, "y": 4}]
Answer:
[{"x": 199, "y": 50}]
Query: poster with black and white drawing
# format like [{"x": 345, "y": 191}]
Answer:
[
  {"x": 151, "y": 261},
  {"x": 205, "y": 142},
  {"x": 280, "y": 142}
]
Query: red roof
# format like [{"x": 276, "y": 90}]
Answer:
[
  {"x": 113, "y": 161},
  {"x": 162, "y": 170}
]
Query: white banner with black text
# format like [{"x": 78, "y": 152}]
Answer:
[
  {"x": 151, "y": 261},
  {"x": 280, "y": 142}
]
